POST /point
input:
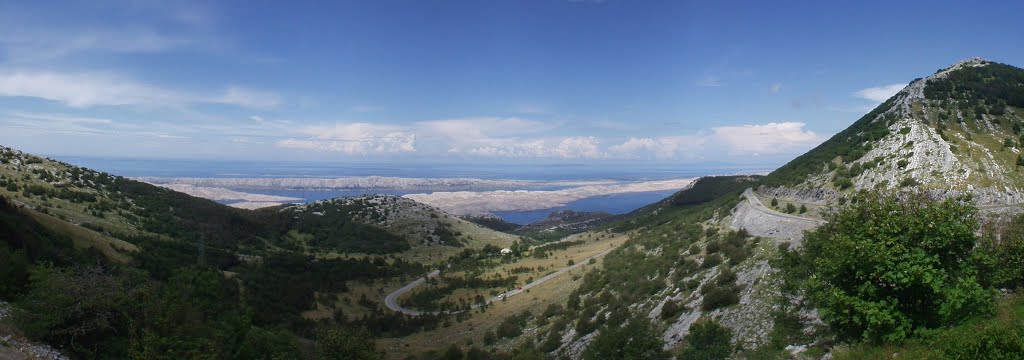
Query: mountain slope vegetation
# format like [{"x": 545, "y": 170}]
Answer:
[{"x": 913, "y": 250}]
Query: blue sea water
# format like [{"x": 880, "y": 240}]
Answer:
[{"x": 615, "y": 204}]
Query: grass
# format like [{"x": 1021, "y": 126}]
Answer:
[
  {"x": 997, "y": 336},
  {"x": 114, "y": 249},
  {"x": 471, "y": 331}
]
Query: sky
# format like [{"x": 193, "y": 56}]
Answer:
[{"x": 489, "y": 81}]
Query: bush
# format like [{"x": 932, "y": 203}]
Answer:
[
  {"x": 1000, "y": 253},
  {"x": 707, "y": 340},
  {"x": 721, "y": 292},
  {"x": 636, "y": 340},
  {"x": 790, "y": 208},
  {"x": 343, "y": 343},
  {"x": 909, "y": 182},
  {"x": 889, "y": 265},
  {"x": 670, "y": 309}
]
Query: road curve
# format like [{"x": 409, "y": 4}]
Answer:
[
  {"x": 391, "y": 301},
  {"x": 757, "y": 205}
]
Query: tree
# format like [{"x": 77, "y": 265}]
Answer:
[
  {"x": 790, "y": 208},
  {"x": 336, "y": 342},
  {"x": 453, "y": 353},
  {"x": 707, "y": 340},
  {"x": 803, "y": 208},
  {"x": 14, "y": 272},
  {"x": 636, "y": 340},
  {"x": 891, "y": 264},
  {"x": 775, "y": 202},
  {"x": 82, "y": 309}
]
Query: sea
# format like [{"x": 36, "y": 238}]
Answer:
[{"x": 614, "y": 204}]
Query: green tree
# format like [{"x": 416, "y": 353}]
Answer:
[
  {"x": 707, "y": 340},
  {"x": 453, "y": 353},
  {"x": 790, "y": 208},
  {"x": 636, "y": 340},
  {"x": 14, "y": 267},
  {"x": 83, "y": 309},
  {"x": 775, "y": 202},
  {"x": 891, "y": 264},
  {"x": 803, "y": 208},
  {"x": 336, "y": 342}
]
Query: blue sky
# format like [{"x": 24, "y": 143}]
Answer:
[{"x": 639, "y": 82}]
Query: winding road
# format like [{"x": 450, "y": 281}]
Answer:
[
  {"x": 391, "y": 301},
  {"x": 757, "y": 205}
]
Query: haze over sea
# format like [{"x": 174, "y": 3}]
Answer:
[{"x": 611, "y": 203}]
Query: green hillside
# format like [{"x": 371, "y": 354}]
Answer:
[{"x": 957, "y": 129}]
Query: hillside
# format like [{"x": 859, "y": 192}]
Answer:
[
  {"x": 810, "y": 261},
  {"x": 713, "y": 258},
  {"x": 428, "y": 234},
  {"x": 57, "y": 218},
  {"x": 958, "y": 130},
  {"x": 555, "y": 226}
]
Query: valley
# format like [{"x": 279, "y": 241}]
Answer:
[{"x": 902, "y": 227}]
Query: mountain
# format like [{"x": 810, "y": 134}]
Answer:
[
  {"x": 710, "y": 254},
  {"x": 958, "y": 130},
  {"x": 704, "y": 273},
  {"x": 429, "y": 234},
  {"x": 125, "y": 248},
  {"x": 491, "y": 221},
  {"x": 555, "y": 226},
  {"x": 562, "y": 223}
]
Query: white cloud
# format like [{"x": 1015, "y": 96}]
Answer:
[
  {"x": 355, "y": 139},
  {"x": 663, "y": 147},
  {"x": 474, "y": 129},
  {"x": 99, "y": 88},
  {"x": 33, "y": 46},
  {"x": 83, "y": 89},
  {"x": 709, "y": 81},
  {"x": 248, "y": 98},
  {"x": 879, "y": 93},
  {"x": 775, "y": 88},
  {"x": 770, "y": 138},
  {"x": 578, "y": 147}
]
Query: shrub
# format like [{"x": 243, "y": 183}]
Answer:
[
  {"x": 636, "y": 340},
  {"x": 711, "y": 261},
  {"x": 790, "y": 208},
  {"x": 1000, "y": 253},
  {"x": 720, "y": 292},
  {"x": 891, "y": 264},
  {"x": 707, "y": 340},
  {"x": 775, "y": 202},
  {"x": 909, "y": 182},
  {"x": 670, "y": 309}
]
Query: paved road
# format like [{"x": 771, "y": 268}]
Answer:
[
  {"x": 392, "y": 299},
  {"x": 757, "y": 205}
]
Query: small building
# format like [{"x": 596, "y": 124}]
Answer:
[{"x": 506, "y": 251}]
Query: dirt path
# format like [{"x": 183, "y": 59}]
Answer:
[{"x": 391, "y": 301}]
